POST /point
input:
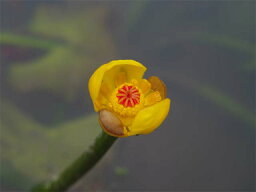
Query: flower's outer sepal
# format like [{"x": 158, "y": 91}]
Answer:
[
  {"x": 107, "y": 73},
  {"x": 111, "y": 124},
  {"x": 158, "y": 85},
  {"x": 149, "y": 118}
]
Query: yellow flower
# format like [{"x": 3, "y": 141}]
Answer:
[{"x": 127, "y": 104}]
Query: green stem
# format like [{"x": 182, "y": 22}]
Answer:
[{"x": 80, "y": 166}]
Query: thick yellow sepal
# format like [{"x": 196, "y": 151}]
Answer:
[
  {"x": 149, "y": 118},
  {"x": 107, "y": 73}
]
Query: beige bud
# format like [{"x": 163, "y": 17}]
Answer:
[{"x": 111, "y": 123}]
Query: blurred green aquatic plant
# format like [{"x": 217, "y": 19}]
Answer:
[
  {"x": 12, "y": 178},
  {"x": 226, "y": 41},
  {"x": 223, "y": 41},
  {"x": 80, "y": 166},
  {"x": 135, "y": 10},
  {"x": 231, "y": 43},
  {"x": 121, "y": 171},
  {"x": 63, "y": 70},
  {"x": 75, "y": 43},
  {"x": 58, "y": 147},
  {"x": 50, "y": 150},
  {"x": 223, "y": 100},
  {"x": 26, "y": 41},
  {"x": 214, "y": 95}
]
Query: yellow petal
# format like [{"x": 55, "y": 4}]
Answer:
[
  {"x": 120, "y": 78},
  {"x": 158, "y": 85},
  {"x": 152, "y": 98},
  {"x": 95, "y": 84},
  {"x": 101, "y": 102},
  {"x": 148, "y": 119},
  {"x": 105, "y": 91},
  {"x": 107, "y": 73}
]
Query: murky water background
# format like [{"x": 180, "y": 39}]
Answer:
[{"x": 204, "y": 51}]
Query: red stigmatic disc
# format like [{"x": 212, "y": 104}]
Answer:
[{"x": 128, "y": 96}]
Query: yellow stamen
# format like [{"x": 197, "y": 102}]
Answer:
[
  {"x": 144, "y": 86},
  {"x": 152, "y": 98},
  {"x": 158, "y": 85}
]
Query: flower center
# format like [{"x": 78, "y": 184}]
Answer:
[{"x": 128, "y": 96}]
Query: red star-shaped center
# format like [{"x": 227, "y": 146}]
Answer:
[{"x": 128, "y": 96}]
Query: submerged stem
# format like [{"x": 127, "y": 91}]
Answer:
[{"x": 80, "y": 166}]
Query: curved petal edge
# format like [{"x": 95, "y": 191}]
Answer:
[{"x": 148, "y": 119}]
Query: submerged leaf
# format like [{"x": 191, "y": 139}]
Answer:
[
  {"x": 37, "y": 152},
  {"x": 223, "y": 100},
  {"x": 26, "y": 41},
  {"x": 121, "y": 171},
  {"x": 65, "y": 69},
  {"x": 214, "y": 95}
]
